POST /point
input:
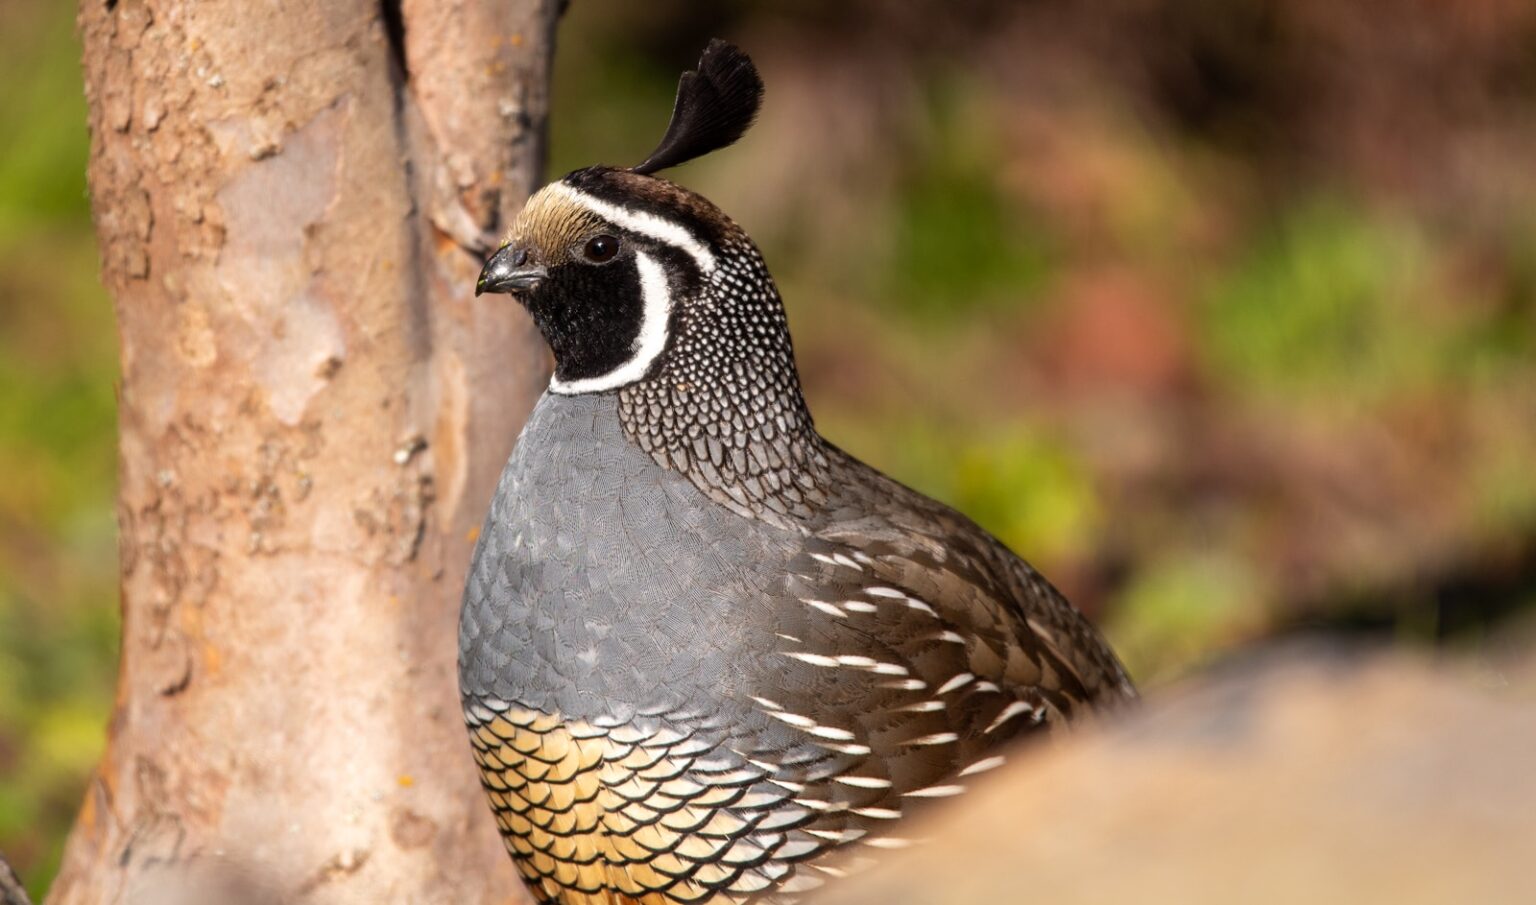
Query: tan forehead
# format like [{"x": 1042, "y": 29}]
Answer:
[{"x": 552, "y": 222}]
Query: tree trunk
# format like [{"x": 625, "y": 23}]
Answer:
[{"x": 292, "y": 200}]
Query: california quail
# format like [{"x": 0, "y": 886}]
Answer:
[{"x": 701, "y": 647}]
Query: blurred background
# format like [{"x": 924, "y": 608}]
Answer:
[{"x": 1222, "y": 312}]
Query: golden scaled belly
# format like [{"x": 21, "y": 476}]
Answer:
[{"x": 595, "y": 814}]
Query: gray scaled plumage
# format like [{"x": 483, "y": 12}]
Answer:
[{"x": 703, "y": 650}]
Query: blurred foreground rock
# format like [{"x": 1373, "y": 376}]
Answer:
[{"x": 1301, "y": 775}]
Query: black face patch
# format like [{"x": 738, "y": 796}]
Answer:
[{"x": 591, "y": 315}]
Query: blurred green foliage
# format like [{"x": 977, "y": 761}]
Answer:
[
  {"x": 1316, "y": 306},
  {"x": 42, "y": 167},
  {"x": 58, "y": 363},
  {"x": 1186, "y": 606},
  {"x": 1158, "y": 326},
  {"x": 958, "y": 246}
]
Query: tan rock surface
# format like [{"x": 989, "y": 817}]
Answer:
[{"x": 1298, "y": 776}]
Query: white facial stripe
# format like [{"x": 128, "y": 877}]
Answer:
[
  {"x": 648, "y": 225},
  {"x": 655, "y": 312}
]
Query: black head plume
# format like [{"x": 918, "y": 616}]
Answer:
[{"x": 715, "y": 105}]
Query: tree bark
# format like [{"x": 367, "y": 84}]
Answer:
[{"x": 292, "y": 200}]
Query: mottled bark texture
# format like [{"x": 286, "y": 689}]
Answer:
[{"x": 292, "y": 200}]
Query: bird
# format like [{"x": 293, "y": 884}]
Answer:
[{"x": 704, "y": 654}]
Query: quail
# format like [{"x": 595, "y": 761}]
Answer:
[{"x": 705, "y": 655}]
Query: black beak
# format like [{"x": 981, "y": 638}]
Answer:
[{"x": 508, "y": 270}]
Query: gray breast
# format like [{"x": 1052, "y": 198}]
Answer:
[{"x": 604, "y": 586}]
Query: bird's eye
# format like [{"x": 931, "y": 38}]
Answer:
[{"x": 600, "y": 249}]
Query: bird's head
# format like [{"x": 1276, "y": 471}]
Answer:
[{"x": 615, "y": 264}]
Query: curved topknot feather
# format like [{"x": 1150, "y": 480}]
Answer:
[{"x": 716, "y": 104}]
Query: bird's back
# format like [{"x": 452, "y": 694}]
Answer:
[{"x": 938, "y": 553}]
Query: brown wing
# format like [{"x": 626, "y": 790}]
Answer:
[
  {"x": 938, "y": 645},
  {"x": 976, "y": 581},
  {"x": 910, "y": 647}
]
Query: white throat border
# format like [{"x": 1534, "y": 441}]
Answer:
[{"x": 655, "y": 314}]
